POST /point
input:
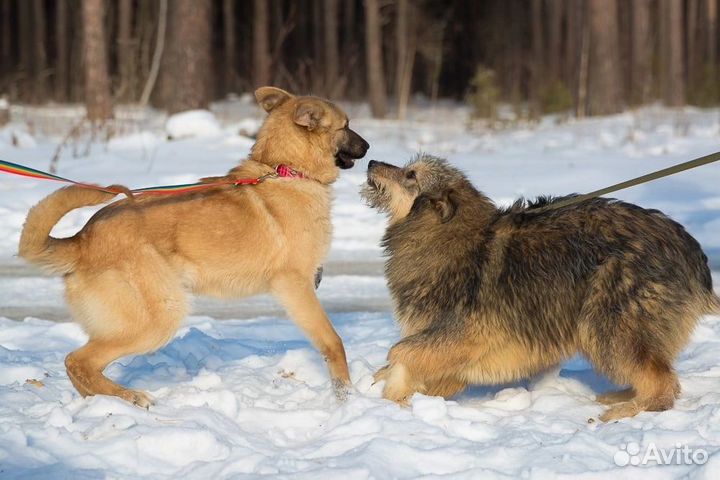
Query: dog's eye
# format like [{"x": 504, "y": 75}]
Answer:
[{"x": 410, "y": 175}]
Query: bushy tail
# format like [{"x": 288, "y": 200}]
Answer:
[{"x": 57, "y": 255}]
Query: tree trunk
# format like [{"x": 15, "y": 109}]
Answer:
[
  {"x": 375, "y": 75},
  {"x": 401, "y": 41},
  {"x": 349, "y": 25},
  {"x": 40, "y": 56},
  {"x": 514, "y": 56},
  {"x": 146, "y": 28},
  {"x": 537, "y": 64},
  {"x": 573, "y": 43},
  {"x": 189, "y": 61},
  {"x": 694, "y": 63},
  {"x": 230, "y": 51},
  {"x": 605, "y": 81},
  {"x": 6, "y": 40},
  {"x": 127, "y": 52},
  {"x": 349, "y": 47},
  {"x": 157, "y": 55},
  {"x": 554, "y": 10},
  {"x": 406, "y": 47},
  {"x": 25, "y": 51},
  {"x": 317, "y": 70},
  {"x": 641, "y": 53},
  {"x": 711, "y": 39},
  {"x": 261, "y": 44},
  {"x": 63, "y": 45},
  {"x": 581, "y": 107},
  {"x": 671, "y": 17},
  {"x": 332, "y": 54},
  {"x": 76, "y": 52},
  {"x": 97, "y": 81}
]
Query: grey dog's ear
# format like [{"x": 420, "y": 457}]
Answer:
[
  {"x": 270, "y": 97},
  {"x": 309, "y": 114},
  {"x": 445, "y": 204}
]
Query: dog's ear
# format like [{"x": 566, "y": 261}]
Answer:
[
  {"x": 445, "y": 204},
  {"x": 309, "y": 114},
  {"x": 270, "y": 97}
]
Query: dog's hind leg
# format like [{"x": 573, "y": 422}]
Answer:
[
  {"x": 125, "y": 313},
  {"x": 297, "y": 294},
  {"x": 655, "y": 383},
  {"x": 631, "y": 328},
  {"x": 85, "y": 367},
  {"x": 625, "y": 357},
  {"x": 621, "y": 355}
]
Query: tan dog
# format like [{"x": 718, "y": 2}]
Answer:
[{"x": 128, "y": 272}]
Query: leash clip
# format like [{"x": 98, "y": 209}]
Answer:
[
  {"x": 254, "y": 181},
  {"x": 267, "y": 176}
]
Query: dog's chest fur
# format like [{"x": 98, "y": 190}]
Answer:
[{"x": 433, "y": 273}]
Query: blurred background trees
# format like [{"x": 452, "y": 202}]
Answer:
[{"x": 585, "y": 57}]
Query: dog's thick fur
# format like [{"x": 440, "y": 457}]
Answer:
[
  {"x": 486, "y": 295},
  {"x": 128, "y": 272}
]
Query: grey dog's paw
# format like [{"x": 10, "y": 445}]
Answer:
[{"x": 318, "y": 276}]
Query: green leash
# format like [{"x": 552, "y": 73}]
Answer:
[{"x": 698, "y": 162}]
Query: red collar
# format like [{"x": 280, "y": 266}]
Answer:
[
  {"x": 285, "y": 171},
  {"x": 280, "y": 171}
]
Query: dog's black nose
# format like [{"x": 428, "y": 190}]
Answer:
[{"x": 372, "y": 163}]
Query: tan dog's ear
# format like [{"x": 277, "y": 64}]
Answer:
[
  {"x": 309, "y": 114},
  {"x": 270, "y": 97}
]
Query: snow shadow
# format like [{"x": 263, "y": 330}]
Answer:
[
  {"x": 576, "y": 368},
  {"x": 186, "y": 356},
  {"x": 57, "y": 471}
]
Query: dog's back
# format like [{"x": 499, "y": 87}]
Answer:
[{"x": 595, "y": 262}]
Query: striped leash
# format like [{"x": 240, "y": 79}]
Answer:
[{"x": 282, "y": 171}]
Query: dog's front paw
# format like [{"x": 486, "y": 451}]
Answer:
[
  {"x": 137, "y": 398},
  {"x": 398, "y": 386},
  {"x": 341, "y": 389}
]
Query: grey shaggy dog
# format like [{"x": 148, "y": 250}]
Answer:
[{"x": 485, "y": 295}]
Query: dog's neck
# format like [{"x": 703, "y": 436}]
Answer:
[{"x": 314, "y": 169}]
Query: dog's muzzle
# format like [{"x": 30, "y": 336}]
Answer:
[
  {"x": 353, "y": 147},
  {"x": 376, "y": 167}
]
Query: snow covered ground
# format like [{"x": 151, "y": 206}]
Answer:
[{"x": 241, "y": 393}]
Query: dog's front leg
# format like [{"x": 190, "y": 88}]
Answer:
[
  {"x": 297, "y": 294},
  {"x": 428, "y": 362}
]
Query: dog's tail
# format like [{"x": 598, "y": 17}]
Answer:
[{"x": 57, "y": 255}]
